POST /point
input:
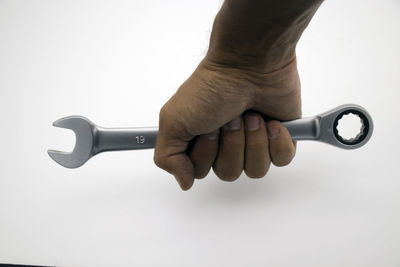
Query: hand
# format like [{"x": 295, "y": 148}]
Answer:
[
  {"x": 216, "y": 119},
  {"x": 249, "y": 75}
]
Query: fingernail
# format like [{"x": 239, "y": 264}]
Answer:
[
  {"x": 252, "y": 122},
  {"x": 273, "y": 131},
  {"x": 213, "y": 135},
  {"x": 234, "y": 124}
]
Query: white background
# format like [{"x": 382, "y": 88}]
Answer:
[{"x": 117, "y": 62}]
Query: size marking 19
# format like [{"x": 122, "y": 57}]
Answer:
[{"x": 140, "y": 139}]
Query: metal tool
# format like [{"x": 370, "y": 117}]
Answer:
[{"x": 92, "y": 139}]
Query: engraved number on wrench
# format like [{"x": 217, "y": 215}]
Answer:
[{"x": 140, "y": 139}]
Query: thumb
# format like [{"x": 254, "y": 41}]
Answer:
[
  {"x": 170, "y": 155},
  {"x": 178, "y": 165}
]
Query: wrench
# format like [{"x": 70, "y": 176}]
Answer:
[{"x": 92, "y": 139}]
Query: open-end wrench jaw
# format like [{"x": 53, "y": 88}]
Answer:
[
  {"x": 92, "y": 140},
  {"x": 85, "y": 132}
]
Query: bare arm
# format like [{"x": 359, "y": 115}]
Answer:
[{"x": 259, "y": 34}]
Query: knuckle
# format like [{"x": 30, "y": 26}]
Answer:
[
  {"x": 163, "y": 112},
  {"x": 166, "y": 111}
]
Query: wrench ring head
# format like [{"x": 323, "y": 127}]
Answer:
[
  {"x": 330, "y": 120},
  {"x": 363, "y": 131}
]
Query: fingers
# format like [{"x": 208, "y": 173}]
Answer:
[
  {"x": 257, "y": 159},
  {"x": 229, "y": 162},
  {"x": 246, "y": 143},
  {"x": 203, "y": 153},
  {"x": 281, "y": 147}
]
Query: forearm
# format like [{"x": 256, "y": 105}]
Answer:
[{"x": 260, "y": 34}]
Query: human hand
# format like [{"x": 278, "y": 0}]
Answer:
[
  {"x": 216, "y": 119},
  {"x": 249, "y": 75}
]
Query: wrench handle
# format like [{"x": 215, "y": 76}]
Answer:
[
  {"x": 116, "y": 139},
  {"x": 304, "y": 129}
]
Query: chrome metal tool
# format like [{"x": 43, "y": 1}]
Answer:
[{"x": 92, "y": 139}]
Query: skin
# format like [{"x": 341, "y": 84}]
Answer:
[{"x": 226, "y": 115}]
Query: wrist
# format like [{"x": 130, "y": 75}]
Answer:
[
  {"x": 256, "y": 61},
  {"x": 259, "y": 35}
]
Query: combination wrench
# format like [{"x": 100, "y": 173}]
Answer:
[{"x": 92, "y": 139}]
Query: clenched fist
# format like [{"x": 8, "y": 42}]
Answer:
[{"x": 225, "y": 115}]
